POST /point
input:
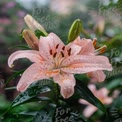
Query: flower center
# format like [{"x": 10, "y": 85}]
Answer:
[{"x": 59, "y": 54}]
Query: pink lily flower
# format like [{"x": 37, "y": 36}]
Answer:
[
  {"x": 58, "y": 61},
  {"x": 101, "y": 94},
  {"x": 88, "y": 48}
]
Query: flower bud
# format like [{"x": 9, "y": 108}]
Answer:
[
  {"x": 100, "y": 26},
  {"x": 75, "y": 30},
  {"x": 31, "y": 39},
  {"x": 33, "y": 24}
]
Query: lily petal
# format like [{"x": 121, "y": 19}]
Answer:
[
  {"x": 87, "y": 46},
  {"x": 108, "y": 100},
  {"x": 34, "y": 73},
  {"x": 32, "y": 55},
  {"x": 66, "y": 82},
  {"x": 96, "y": 76},
  {"x": 75, "y": 49},
  {"x": 85, "y": 63},
  {"x": 48, "y": 44},
  {"x": 89, "y": 110}
]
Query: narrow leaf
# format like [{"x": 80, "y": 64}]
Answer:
[
  {"x": 45, "y": 114},
  {"x": 14, "y": 76},
  {"x": 34, "y": 90}
]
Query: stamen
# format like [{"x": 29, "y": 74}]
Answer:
[
  {"x": 69, "y": 52},
  {"x": 55, "y": 54},
  {"x": 94, "y": 42},
  {"x": 63, "y": 48},
  {"x": 57, "y": 46},
  {"x": 97, "y": 47},
  {"x": 101, "y": 50},
  {"x": 62, "y": 54},
  {"x": 51, "y": 52}
]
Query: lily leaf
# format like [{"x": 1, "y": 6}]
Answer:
[
  {"x": 34, "y": 90},
  {"x": 14, "y": 76},
  {"x": 45, "y": 114},
  {"x": 38, "y": 33}
]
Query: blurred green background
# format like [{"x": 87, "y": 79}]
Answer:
[{"x": 102, "y": 19}]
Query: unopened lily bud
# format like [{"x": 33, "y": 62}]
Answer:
[
  {"x": 33, "y": 24},
  {"x": 75, "y": 30},
  {"x": 31, "y": 39},
  {"x": 100, "y": 26}
]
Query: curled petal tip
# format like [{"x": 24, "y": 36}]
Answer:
[
  {"x": 11, "y": 65},
  {"x": 67, "y": 92},
  {"x": 110, "y": 69}
]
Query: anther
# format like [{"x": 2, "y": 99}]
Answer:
[
  {"x": 101, "y": 49},
  {"x": 62, "y": 54},
  {"x": 55, "y": 54},
  {"x": 57, "y": 46},
  {"x": 69, "y": 52},
  {"x": 51, "y": 52},
  {"x": 63, "y": 48},
  {"x": 94, "y": 42}
]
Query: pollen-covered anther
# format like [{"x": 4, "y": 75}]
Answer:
[
  {"x": 51, "y": 52},
  {"x": 62, "y": 54},
  {"x": 69, "y": 52},
  {"x": 55, "y": 54},
  {"x": 101, "y": 49},
  {"x": 63, "y": 48},
  {"x": 57, "y": 46},
  {"x": 94, "y": 42}
]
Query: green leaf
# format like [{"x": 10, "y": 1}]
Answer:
[
  {"x": 84, "y": 92},
  {"x": 14, "y": 76},
  {"x": 75, "y": 30},
  {"x": 21, "y": 36},
  {"x": 34, "y": 90},
  {"x": 114, "y": 84},
  {"x": 46, "y": 114},
  {"x": 10, "y": 88},
  {"x": 38, "y": 33},
  {"x": 26, "y": 113},
  {"x": 21, "y": 47}
]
